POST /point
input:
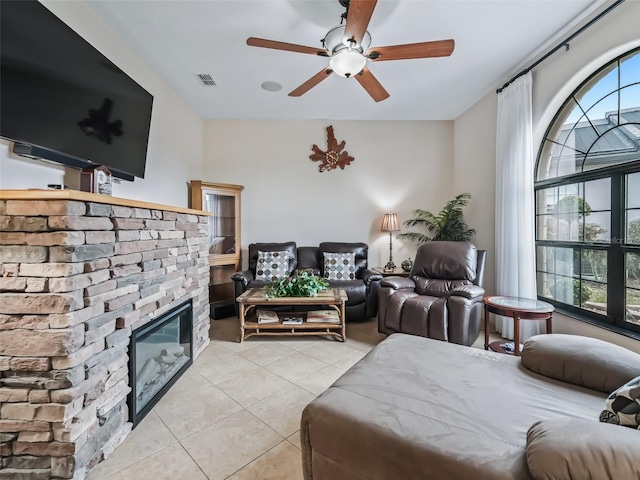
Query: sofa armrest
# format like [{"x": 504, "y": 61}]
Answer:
[
  {"x": 570, "y": 448},
  {"x": 468, "y": 291},
  {"x": 398, "y": 283},
  {"x": 369, "y": 276},
  {"x": 244, "y": 277},
  {"x": 583, "y": 361}
]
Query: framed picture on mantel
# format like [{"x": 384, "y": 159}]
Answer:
[{"x": 96, "y": 180}]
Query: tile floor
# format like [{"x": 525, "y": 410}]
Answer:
[{"x": 235, "y": 413}]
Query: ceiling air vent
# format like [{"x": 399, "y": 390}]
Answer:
[{"x": 206, "y": 79}]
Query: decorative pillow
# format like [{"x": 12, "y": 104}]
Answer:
[
  {"x": 272, "y": 266},
  {"x": 339, "y": 266},
  {"x": 622, "y": 407}
]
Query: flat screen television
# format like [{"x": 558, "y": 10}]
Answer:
[{"x": 62, "y": 100}]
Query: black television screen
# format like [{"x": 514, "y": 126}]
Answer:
[{"x": 62, "y": 100}]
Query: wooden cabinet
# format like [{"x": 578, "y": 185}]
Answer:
[{"x": 223, "y": 200}]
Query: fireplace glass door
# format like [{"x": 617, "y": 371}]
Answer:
[{"x": 160, "y": 352}]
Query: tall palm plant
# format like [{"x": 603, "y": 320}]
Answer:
[{"x": 446, "y": 225}]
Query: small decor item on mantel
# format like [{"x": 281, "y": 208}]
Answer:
[
  {"x": 334, "y": 157},
  {"x": 304, "y": 284},
  {"x": 407, "y": 265},
  {"x": 96, "y": 180}
]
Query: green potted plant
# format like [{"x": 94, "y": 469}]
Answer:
[
  {"x": 446, "y": 225},
  {"x": 303, "y": 284}
]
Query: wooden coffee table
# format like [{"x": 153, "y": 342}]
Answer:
[{"x": 248, "y": 302}]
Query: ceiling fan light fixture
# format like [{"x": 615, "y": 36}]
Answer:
[{"x": 347, "y": 63}]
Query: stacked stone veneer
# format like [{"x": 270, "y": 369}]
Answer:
[{"x": 75, "y": 279}]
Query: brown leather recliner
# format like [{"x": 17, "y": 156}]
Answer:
[{"x": 441, "y": 299}]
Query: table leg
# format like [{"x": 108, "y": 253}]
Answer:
[
  {"x": 486, "y": 328},
  {"x": 516, "y": 335},
  {"x": 549, "y": 323},
  {"x": 241, "y": 314},
  {"x": 344, "y": 322}
]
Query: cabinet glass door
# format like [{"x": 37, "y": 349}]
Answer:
[{"x": 222, "y": 226}]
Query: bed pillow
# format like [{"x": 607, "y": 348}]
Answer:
[
  {"x": 339, "y": 266},
  {"x": 272, "y": 266},
  {"x": 622, "y": 407},
  {"x": 572, "y": 448},
  {"x": 587, "y": 362}
]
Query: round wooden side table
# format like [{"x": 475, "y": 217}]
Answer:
[{"x": 518, "y": 309}]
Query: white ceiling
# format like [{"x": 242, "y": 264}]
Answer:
[{"x": 179, "y": 39}]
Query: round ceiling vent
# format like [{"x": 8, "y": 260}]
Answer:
[{"x": 270, "y": 86}]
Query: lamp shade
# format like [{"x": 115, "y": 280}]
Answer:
[
  {"x": 390, "y": 223},
  {"x": 347, "y": 62}
]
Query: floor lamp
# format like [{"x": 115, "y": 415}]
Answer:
[{"x": 390, "y": 224}]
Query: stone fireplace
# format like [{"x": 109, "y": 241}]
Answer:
[{"x": 78, "y": 273}]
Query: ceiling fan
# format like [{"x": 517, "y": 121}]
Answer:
[{"x": 347, "y": 47}]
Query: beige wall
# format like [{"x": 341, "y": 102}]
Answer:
[
  {"x": 553, "y": 82},
  {"x": 399, "y": 166},
  {"x": 474, "y": 147},
  {"x": 564, "y": 324},
  {"x": 175, "y": 153}
]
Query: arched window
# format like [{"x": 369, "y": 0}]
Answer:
[{"x": 588, "y": 199}]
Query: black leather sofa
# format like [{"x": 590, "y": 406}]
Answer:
[{"x": 362, "y": 292}]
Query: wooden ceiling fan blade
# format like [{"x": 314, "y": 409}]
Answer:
[
  {"x": 440, "y": 48},
  {"x": 358, "y": 18},
  {"x": 289, "y": 47},
  {"x": 312, "y": 82},
  {"x": 371, "y": 85}
]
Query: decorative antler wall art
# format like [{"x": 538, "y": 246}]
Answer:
[{"x": 334, "y": 157}]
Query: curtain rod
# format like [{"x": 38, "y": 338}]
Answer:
[{"x": 564, "y": 43}]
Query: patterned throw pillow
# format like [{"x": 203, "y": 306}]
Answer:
[
  {"x": 339, "y": 266},
  {"x": 622, "y": 407},
  {"x": 272, "y": 266}
]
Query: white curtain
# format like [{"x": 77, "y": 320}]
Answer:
[{"x": 515, "y": 237}]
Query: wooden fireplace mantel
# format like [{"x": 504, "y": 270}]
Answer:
[{"x": 43, "y": 194}]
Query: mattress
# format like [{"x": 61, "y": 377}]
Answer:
[{"x": 417, "y": 408}]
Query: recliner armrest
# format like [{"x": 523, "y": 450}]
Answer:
[
  {"x": 468, "y": 291},
  {"x": 244, "y": 277},
  {"x": 398, "y": 283},
  {"x": 369, "y": 276}
]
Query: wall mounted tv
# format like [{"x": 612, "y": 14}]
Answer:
[{"x": 62, "y": 100}]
